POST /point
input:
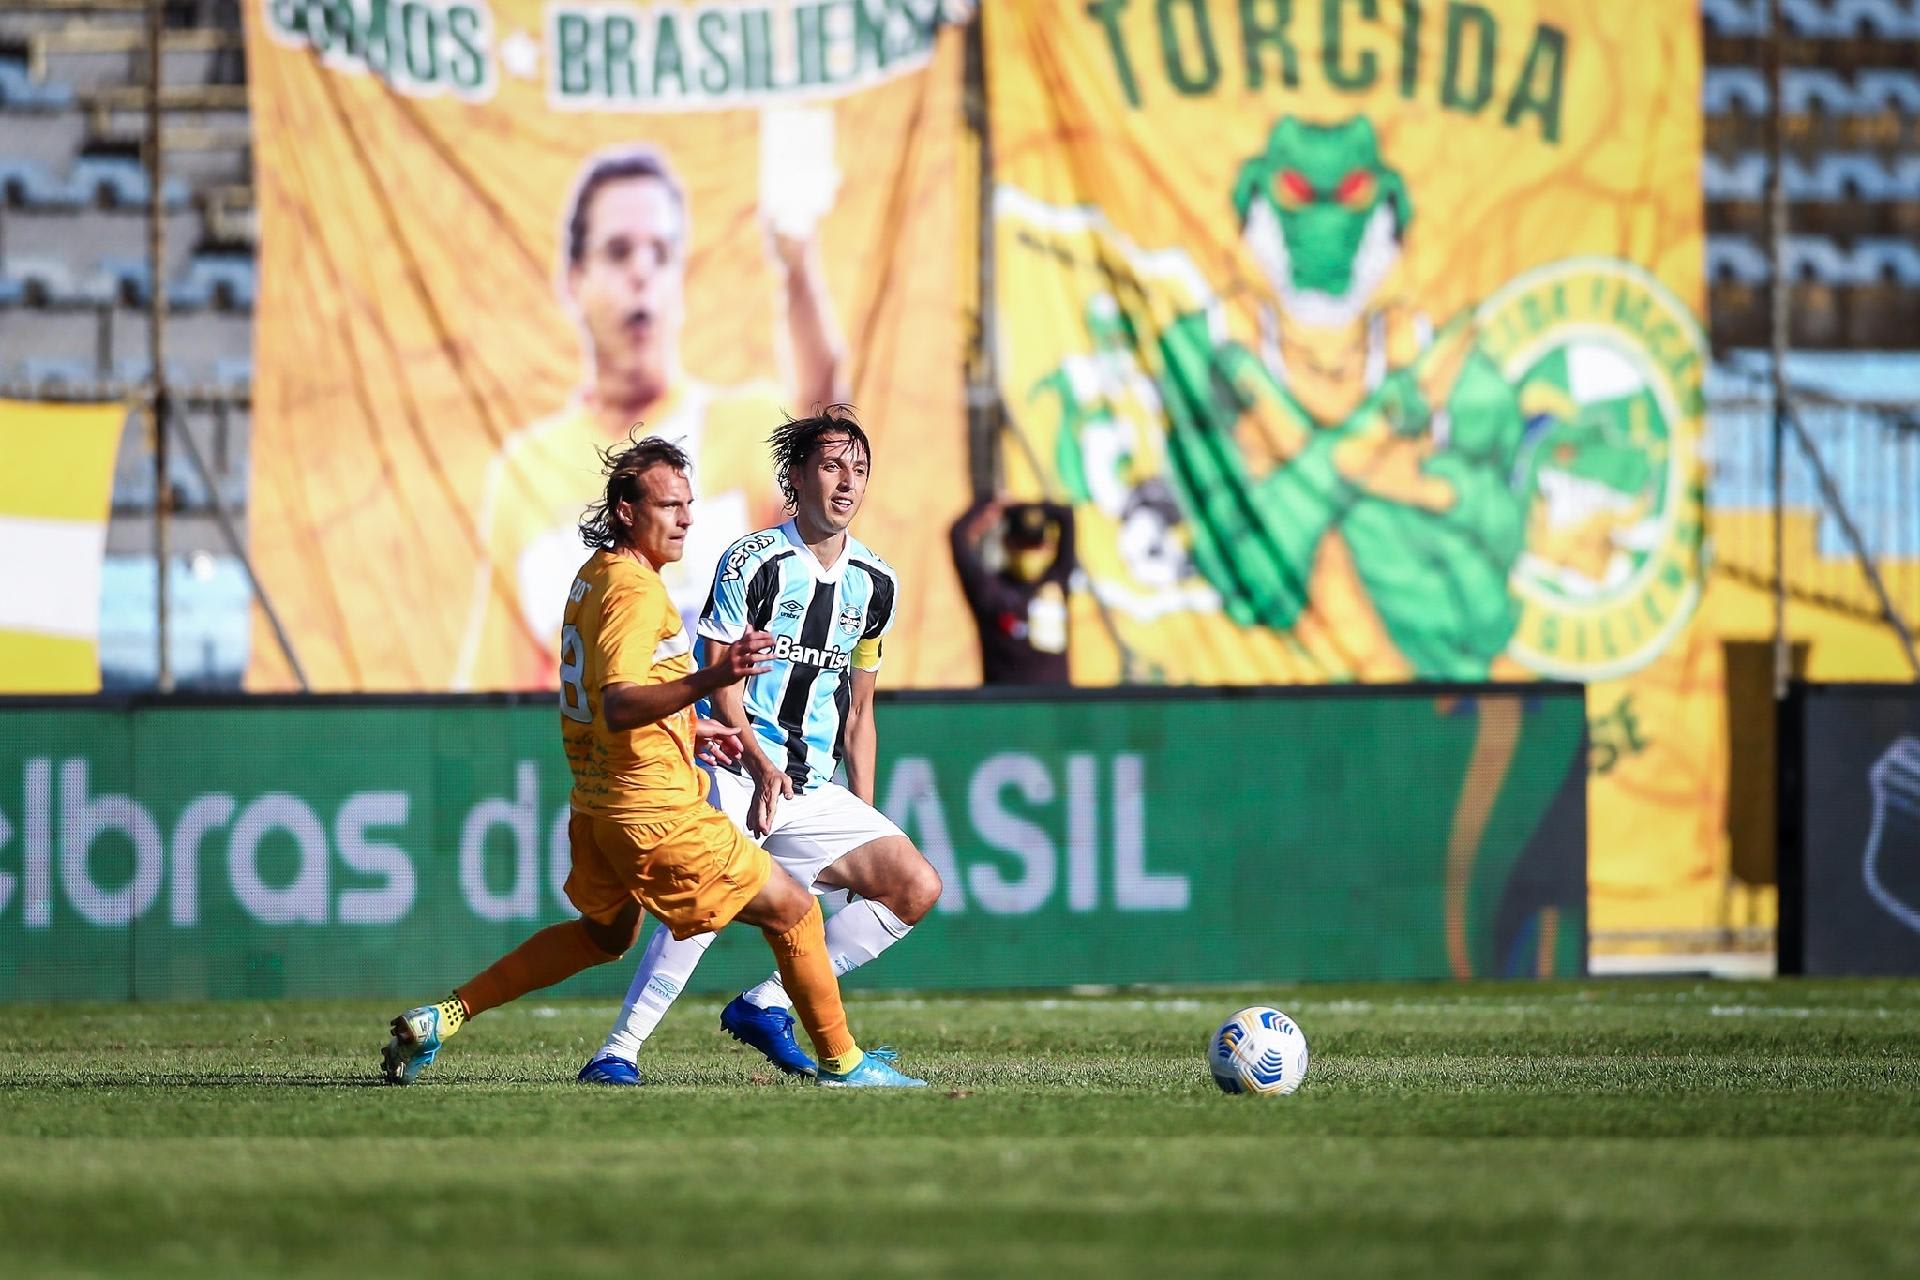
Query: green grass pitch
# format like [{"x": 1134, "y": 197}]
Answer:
[{"x": 1672, "y": 1128}]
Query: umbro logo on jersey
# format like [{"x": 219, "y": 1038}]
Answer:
[
  {"x": 833, "y": 658},
  {"x": 850, "y": 619},
  {"x": 790, "y": 609}
]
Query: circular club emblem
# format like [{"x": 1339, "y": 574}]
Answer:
[{"x": 1608, "y": 365}]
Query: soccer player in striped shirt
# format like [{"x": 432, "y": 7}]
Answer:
[{"x": 827, "y": 600}]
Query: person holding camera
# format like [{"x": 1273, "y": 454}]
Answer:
[{"x": 1016, "y": 562}]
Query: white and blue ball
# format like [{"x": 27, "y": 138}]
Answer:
[{"x": 1258, "y": 1050}]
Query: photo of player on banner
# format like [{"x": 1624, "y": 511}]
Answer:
[
  {"x": 693, "y": 220},
  {"x": 625, "y": 240}
]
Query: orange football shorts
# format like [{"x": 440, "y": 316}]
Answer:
[{"x": 693, "y": 871}]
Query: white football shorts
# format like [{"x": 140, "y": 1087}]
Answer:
[{"x": 812, "y": 830}]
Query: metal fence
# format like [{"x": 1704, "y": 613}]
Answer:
[{"x": 1870, "y": 452}]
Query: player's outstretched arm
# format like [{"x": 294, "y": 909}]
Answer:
[
  {"x": 819, "y": 354},
  {"x": 798, "y": 184},
  {"x": 862, "y": 737},
  {"x": 629, "y": 706}
]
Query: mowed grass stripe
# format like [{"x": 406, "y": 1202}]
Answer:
[{"x": 1567, "y": 1130}]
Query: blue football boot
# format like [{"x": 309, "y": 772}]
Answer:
[
  {"x": 770, "y": 1031},
  {"x": 876, "y": 1071},
  {"x": 607, "y": 1069},
  {"x": 415, "y": 1043}
]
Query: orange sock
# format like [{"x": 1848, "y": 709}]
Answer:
[
  {"x": 807, "y": 970},
  {"x": 552, "y": 955}
]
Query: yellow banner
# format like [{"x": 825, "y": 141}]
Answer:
[
  {"x": 498, "y": 235},
  {"x": 1364, "y": 338},
  {"x": 56, "y": 491}
]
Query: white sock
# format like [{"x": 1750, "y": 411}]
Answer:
[
  {"x": 854, "y": 936},
  {"x": 664, "y": 969}
]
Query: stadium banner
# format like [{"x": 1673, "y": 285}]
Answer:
[
  {"x": 361, "y": 848},
  {"x": 1365, "y": 340},
  {"x": 1850, "y": 829},
  {"x": 497, "y": 234},
  {"x": 56, "y": 492}
]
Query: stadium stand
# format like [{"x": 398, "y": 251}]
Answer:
[
  {"x": 1850, "y": 103},
  {"x": 1820, "y": 19},
  {"x": 75, "y": 282},
  {"x": 21, "y": 92},
  {"x": 1850, "y": 171}
]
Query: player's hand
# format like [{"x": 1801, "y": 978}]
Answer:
[
  {"x": 750, "y": 655},
  {"x": 799, "y": 182},
  {"x": 716, "y": 743},
  {"x": 770, "y": 787}
]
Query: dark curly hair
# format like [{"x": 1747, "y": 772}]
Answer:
[
  {"x": 623, "y": 465},
  {"x": 794, "y": 440}
]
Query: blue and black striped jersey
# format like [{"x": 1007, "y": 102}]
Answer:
[{"x": 819, "y": 619}]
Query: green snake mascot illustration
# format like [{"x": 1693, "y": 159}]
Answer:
[{"x": 1357, "y": 440}]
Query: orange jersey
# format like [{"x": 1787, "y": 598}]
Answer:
[{"x": 620, "y": 627}]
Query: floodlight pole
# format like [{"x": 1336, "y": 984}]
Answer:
[
  {"x": 1777, "y": 296},
  {"x": 158, "y": 397}
]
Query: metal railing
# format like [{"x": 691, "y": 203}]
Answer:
[{"x": 1850, "y": 494}]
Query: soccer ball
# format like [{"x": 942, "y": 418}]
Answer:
[{"x": 1258, "y": 1050}]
